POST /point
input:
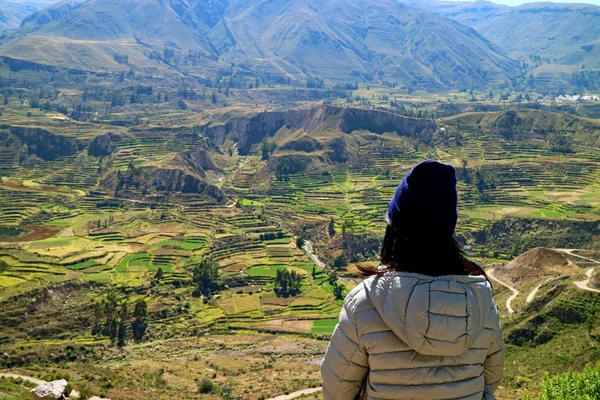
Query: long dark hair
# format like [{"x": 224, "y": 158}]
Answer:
[{"x": 424, "y": 254}]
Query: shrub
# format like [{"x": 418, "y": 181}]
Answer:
[
  {"x": 572, "y": 386},
  {"x": 205, "y": 386}
]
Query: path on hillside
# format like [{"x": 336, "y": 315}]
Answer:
[
  {"x": 297, "y": 394},
  {"x": 534, "y": 291},
  {"x": 490, "y": 273},
  {"x": 585, "y": 284},
  {"x": 36, "y": 381}
]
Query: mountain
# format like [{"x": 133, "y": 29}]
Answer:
[
  {"x": 339, "y": 41},
  {"x": 51, "y": 13},
  {"x": 11, "y": 14},
  {"x": 560, "y": 33}
]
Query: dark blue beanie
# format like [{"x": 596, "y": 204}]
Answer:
[{"x": 426, "y": 201}]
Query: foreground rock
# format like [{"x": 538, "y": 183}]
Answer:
[{"x": 50, "y": 391}]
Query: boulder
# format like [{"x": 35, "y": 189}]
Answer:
[{"x": 50, "y": 391}]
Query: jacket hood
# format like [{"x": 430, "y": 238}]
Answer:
[{"x": 437, "y": 316}]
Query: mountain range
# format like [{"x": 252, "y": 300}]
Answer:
[
  {"x": 419, "y": 43},
  {"x": 11, "y": 14}
]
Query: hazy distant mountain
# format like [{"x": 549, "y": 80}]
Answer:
[
  {"x": 51, "y": 13},
  {"x": 563, "y": 33},
  {"x": 11, "y": 14},
  {"x": 338, "y": 40}
]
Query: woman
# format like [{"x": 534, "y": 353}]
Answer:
[{"x": 424, "y": 324}]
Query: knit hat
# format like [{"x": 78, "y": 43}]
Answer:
[{"x": 426, "y": 201}]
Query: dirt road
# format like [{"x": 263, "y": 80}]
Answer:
[
  {"x": 490, "y": 273},
  {"x": 297, "y": 394},
  {"x": 585, "y": 284}
]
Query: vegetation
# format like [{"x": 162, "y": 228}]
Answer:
[
  {"x": 572, "y": 385},
  {"x": 205, "y": 278},
  {"x": 166, "y": 211},
  {"x": 287, "y": 283}
]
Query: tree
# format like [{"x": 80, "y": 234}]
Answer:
[
  {"x": 98, "y": 314},
  {"x": 340, "y": 261},
  {"x": 299, "y": 242},
  {"x": 159, "y": 274},
  {"x": 205, "y": 386},
  {"x": 267, "y": 149},
  {"x": 214, "y": 97},
  {"x": 332, "y": 278},
  {"x": 338, "y": 291},
  {"x": 331, "y": 228},
  {"x": 205, "y": 277},
  {"x": 465, "y": 170},
  {"x": 122, "y": 329},
  {"x": 139, "y": 324},
  {"x": 560, "y": 142},
  {"x": 121, "y": 334},
  {"x": 287, "y": 283}
]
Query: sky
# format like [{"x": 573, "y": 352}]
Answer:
[{"x": 519, "y": 2}]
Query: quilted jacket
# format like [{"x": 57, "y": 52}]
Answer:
[{"x": 411, "y": 336}]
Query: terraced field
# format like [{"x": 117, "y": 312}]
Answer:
[{"x": 139, "y": 209}]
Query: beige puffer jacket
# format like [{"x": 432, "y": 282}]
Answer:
[{"x": 410, "y": 336}]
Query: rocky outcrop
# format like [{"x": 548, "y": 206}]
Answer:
[
  {"x": 248, "y": 131},
  {"x": 197, "y": 160},
  {"x": 291, "y": 163},
  {"x": 338, "y": 151},
  {"x": 355, "y": 119},
  {"x": 103, "y": 145},
  {"x": 50, "y": 391},
  {"x": 305, "y": 143},
  {"x": 176, "y": 180},
  {"x": 45, "y": 144}
]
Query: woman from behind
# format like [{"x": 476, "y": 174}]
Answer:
[{"x": 424, "y": 324}]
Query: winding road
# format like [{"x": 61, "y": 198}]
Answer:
[
  {"x": 490, "y": 273},
  {"x": 585, "y": 284}
]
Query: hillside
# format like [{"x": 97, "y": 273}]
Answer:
[
  {"x": 537, "y": 265},
  {"x": 556, "y": 43},
  {"x": 11, "y": 14},
  {"x": 337, "y": 40},
  {"x": 561, "y": 33}
]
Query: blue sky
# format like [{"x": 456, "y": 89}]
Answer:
[{"x": 519, "y": 2}]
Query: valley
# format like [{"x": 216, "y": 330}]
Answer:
[
  {"x": 188, "y": 188},
  {"x": 95, "y": 207}
]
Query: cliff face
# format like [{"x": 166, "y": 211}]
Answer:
[
  {"x": 176, "y": 180},
  {"x": 354, "y": 119},
  {"x": 247, "y": 131},
  {"x": 103, "y": 145},
  {"x": 45, "y": 144},
  {"x": 197, "y": 160}
]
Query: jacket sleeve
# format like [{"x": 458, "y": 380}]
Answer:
[
  {"x": 493, "y": 368},
  {"x": 345, "y": 366}
]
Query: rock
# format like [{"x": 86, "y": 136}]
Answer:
[
  {"x": 50, "y": 391},
  {"x": 103, "y": 145}
]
